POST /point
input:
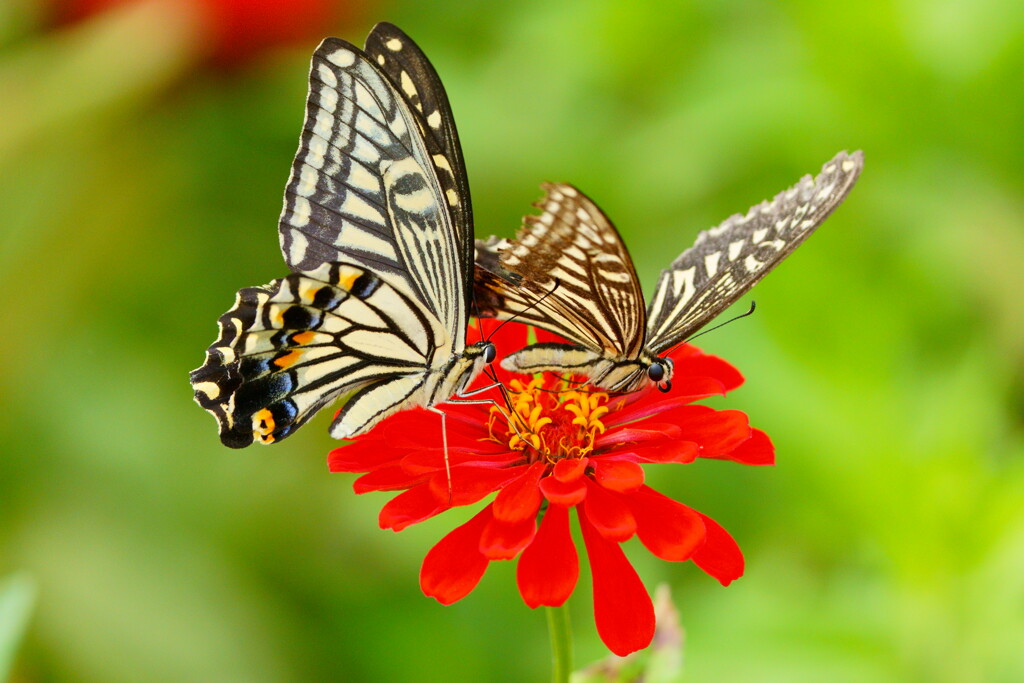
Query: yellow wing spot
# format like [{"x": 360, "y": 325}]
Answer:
[
  {"x": 303, "y": 338},
  {"x": 347, "y": 277},
  {"x": 289, "y": 359},
  {"x": 279, "y": 314},
  {"x": 309, "y": 293},
  {"x": 263, "y": 426}
]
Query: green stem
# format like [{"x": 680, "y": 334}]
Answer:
[{"x": 561, "y": 643}]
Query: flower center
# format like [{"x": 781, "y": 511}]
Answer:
[{"x": 550, "y": 424}]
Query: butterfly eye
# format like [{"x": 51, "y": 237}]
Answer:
[
  {"x": 665, "y": 386},
  {"x": 489, "y": 353},
  {"x": 655, "y": 371}
]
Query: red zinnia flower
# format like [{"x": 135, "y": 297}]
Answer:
[{"x": 577, "y": 449}]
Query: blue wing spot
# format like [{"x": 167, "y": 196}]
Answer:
[{"x": 365, "y": 285}]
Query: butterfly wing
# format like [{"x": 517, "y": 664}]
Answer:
[
  {"x": 417, "y": 82},
  {"x": 289, "y": 348},
  {"x": 568, "y": 272},
  {"x": 726, "y": 261},
  {"x": 363, "y": 187}
]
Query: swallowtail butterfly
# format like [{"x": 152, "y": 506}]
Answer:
[
  {"x": 377, "y": 229},
  {"x": 569, "y": 272}
]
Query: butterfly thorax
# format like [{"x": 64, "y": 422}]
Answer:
[
  {"x": 626, "y": 375},
  {"x": 453, "y": 377}
]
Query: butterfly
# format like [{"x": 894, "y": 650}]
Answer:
[
  {"x": 569, "y": 272},
  {"x": 377, "y": 230}
]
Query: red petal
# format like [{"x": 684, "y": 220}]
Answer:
[
  {"x": 549, "y": 567},
  {"x": 681, "y": 452},
  {"x": 622, "y": 608},
  {"x": 429, "y": 460},
  {"x": 503, "y": 541},
  {"x": 757, "y": 450},
  {"x": 702, "y": 365},
  {"x": 609, "y": 513},
  {"x": 454, "y": 566},
  {"x": 637, "y": 434},
  {"x": 414, "y": 429},
  {"x": 387, "y": 479},
  {"x": 569, "y": 469},
  {"x": 667, "y": 528},
  {"x": 717, "y": 431},
  {"x": 470, "y": 484},
  {"x": 521, "y": 498},
  {"x": 618, "y": 475},
  {"x": 653, "y": 402},
  {"x": 720, "y": 556},
  {"x": 561, "y": 493},
  {"x": 410, "y": 507},
  {"x": 361, "y": 456},
  {"x": 510, "y": 337}
]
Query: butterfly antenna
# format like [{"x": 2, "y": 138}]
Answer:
[
  {"x": 569, "y": 380},
  {"x": 531, "y": 306},
  {"x": 753, "y": 305}
]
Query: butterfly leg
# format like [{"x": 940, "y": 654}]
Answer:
[
  {"x": 444, "y": 426},
  {"x": 461, "y": 398},
  {"x": 444, "y": 445}
]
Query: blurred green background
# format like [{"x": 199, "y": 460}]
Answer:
[{"x": 143, "y": 152}]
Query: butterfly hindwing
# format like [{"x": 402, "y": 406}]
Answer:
[
  {"x": 288, "y": 348},
  {"x": 727, "y": 260}
]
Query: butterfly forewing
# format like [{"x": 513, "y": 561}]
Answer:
[
  {"x": 597, "y": 301},
  {"x": 726, "y": 261},
  {"x": 363, "y": 185},
  {"x": 418, "y": 84}
]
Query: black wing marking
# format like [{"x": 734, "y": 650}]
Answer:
[{"x": 726, "y": 261}]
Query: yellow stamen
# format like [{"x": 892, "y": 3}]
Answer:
[{"x": 542, "y": 430}]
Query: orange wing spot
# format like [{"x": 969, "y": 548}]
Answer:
[
  {"x": 289, "y": 359},
  {"x": 303, "y": 338},
  {"x": 263, "y": 425},
  {"x": 347, "y": 277}
]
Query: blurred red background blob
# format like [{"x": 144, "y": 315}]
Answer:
[{"x": 234, "y": 31}]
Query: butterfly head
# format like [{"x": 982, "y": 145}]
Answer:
[
  {"x": 659, "y": 371},
  {"x": 489, "y": 352},
  {"x": 474, "y": 358}
]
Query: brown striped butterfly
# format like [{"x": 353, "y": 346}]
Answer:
[{"x": 569, "y": 272}]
